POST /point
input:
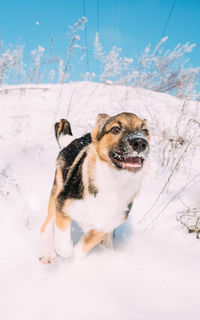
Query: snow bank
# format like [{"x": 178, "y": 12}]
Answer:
[{"x": 150, "y": 275}]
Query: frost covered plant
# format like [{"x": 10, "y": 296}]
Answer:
[
  {"x": 190, "y": 219},
  {"x": 35, "y": 75},
  {"x": 181, "y": 142},
  {"x": 166, "y": 72},
  {"x": 11, "y": 62},
  {"x": 157, "y": 70},
  {"x": 75, "y": 37},
  {"x": 61, "y": 72},
  {"x": 61, "y": 66},
  {"x": 88, "y": 76},
  {"x": 116, "y": 68}
]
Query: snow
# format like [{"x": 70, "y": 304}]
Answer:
[{"x": 152, "y": 274}]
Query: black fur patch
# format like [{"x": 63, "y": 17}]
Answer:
[
  {"x": 69, "y": 153},
  {"x": 73, "y": 184},
  {"x": 73, "y": 187}
]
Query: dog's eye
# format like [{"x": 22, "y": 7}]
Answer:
[
  {"x": 145, "y": 131},
  {"x": 115, "y": 130}
]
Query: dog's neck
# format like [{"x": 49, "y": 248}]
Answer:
[{"x": 109, "y": 179}]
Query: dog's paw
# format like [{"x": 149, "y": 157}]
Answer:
[
  {"x": 48, "y": 257},
  {"x": 47, "y": 260}
]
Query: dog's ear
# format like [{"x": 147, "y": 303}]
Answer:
[
  {"x": 101, "y": 119},
  {"x": 97, "y": 130}
]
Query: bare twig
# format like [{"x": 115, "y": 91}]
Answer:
[
  {"x": 190, "y": 219},
  {"x": 170, "y": 176},
  {"x": 86, "y": 102},
  {"x": 171, "y": 200},
  {"x": 168, "y": 180}
]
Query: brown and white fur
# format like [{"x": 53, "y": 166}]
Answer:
[{"x": 97, "y": 178}]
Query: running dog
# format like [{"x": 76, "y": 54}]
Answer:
[{"x": 96, "y": 180}]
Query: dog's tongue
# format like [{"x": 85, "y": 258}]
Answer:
[{"x": 132, "y": 162}]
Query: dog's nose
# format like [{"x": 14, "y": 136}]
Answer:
[{"x": 138, "y": 144}]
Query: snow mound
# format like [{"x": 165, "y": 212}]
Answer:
[{"x": 153, "y": 273}]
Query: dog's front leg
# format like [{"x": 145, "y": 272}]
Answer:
[
  {"x": 89, "y": 241},
  {"x": 63, "y": 242},
  {"x": 48, "y": 254}
]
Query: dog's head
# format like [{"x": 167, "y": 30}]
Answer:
[{"x": 122, "y": 141}]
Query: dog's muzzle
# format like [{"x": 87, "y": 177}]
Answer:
[
  {"x": 138, "y": 144},
  {"x": 134, "y": 151}
]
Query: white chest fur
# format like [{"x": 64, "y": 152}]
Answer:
[{"x": 106, "y": 211}]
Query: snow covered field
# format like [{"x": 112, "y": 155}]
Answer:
[{"x": 154, "y": 271}]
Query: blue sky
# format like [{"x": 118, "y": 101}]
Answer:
[{"x": 128, "y": 24}]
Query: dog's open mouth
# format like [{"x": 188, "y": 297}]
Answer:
[{"x": 127, "y": 163}]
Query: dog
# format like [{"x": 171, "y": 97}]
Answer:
[{"x": 97, "y": 179}]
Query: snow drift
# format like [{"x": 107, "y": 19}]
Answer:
[{"x": 153, "y": 273}]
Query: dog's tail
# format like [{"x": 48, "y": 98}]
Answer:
[{"x": 63, "y": 133}]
